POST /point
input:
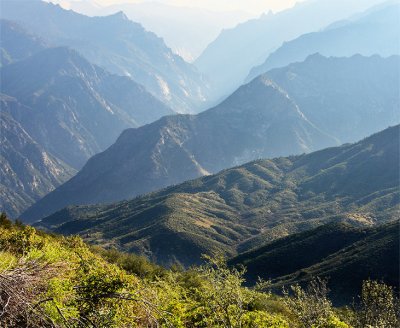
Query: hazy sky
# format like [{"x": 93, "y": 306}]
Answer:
[{"x": 252, "y": 6}]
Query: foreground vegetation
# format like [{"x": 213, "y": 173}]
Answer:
[{"x": 54, "y": 281}]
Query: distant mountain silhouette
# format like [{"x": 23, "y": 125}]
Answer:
[
  {"x": 229, "y": 58},
  {"x": 375, "y": 32},
  {"x": 118, "y": 45}
]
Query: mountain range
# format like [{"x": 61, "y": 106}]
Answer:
[
  {"x": 27, "y": 171},
  {"x": 57, "y": 111},
  {"x": 292, "y": 175},
  {"x": 118, "y": 45},
  {"x": 259, "y": 120},
  {"x": 247, "y": 206},
  {"x": 182, "y": 28},
  {"x": 228, "y": 60},
  {"x": 373, "y": 32},
  {"x": 347, "y": 97},
  {"x": 72, "y": 108}
]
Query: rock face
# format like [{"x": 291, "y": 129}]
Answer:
[
  {"x": 348, "y": 98},
  {"x": 57, "y": 111},
  {"x": 374, "y": 32},
  {"x": 28, "y": 172},
  {"x": 118, "y": 45},
  {"x": 258, "y": 120},
  {"x": 16, "y": 43},
  {"x": 74, "y": 109},
  {"x": 245, "y": 207}
]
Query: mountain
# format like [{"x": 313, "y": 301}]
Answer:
[
  {"x": 258, "y": 120},
  {"x": 374, "y": 32},
  {"x": 72, "y": 108},
  {"x": 181, "y": 27},
  {"x": 119, "y": 46},
  {"x": 16, "y": 43},
  {"x": 345, "y": 254},
  {"x": 228, "y": 59},
  {"x": 27, "y": 171},
  {"x": 348, "y": 98},
  {"x": 245, "y": 207}
]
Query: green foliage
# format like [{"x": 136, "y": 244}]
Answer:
[
  {"x": 4, "y": 221},
  {"x": 223, "y": 297},
  {"x": 379, "y": 307},
  {"x": 311, "y": 306},
  {"x": 78, "y": 286},
  {"x": 96, "y": 287},
  {"x": 132, "y": 263},
  {"x": 54, "y": 281}
]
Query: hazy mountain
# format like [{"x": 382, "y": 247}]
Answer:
[
  {"x": 348, "y": 98},
  {"x": 344, "y": 254},
  {"x": 374, "y": 32},
  {"x": 118, "y": 45},
  {"x": 74, "y": 109},
  {"x": 183, "y": 28},
  {"x": 258, "y": 120},
  {"x": 16, "y": 43},
  {"x": 27, "y": 171},
  {"x": 228, "y": 60},
  {"x": 247, "y": 206}
]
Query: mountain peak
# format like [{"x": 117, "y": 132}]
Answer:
[
  {"x": 120, "y": 14},
  {"x": 315, "y": 56}
]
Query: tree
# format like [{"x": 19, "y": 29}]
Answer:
[{"x": 5, "y": 222}]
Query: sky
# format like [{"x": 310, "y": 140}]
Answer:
[{"x": 254, "y": 7}]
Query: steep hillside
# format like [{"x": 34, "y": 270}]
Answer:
[
  {"x": 349, "y": 98},
  {"x": 247, "y": 206},
  {"x": 118, "y": 45},
  {"x": 27, "y": 171},
  {"x": 343, "y": 254},
  {"x": 258, "y": 120},
  {"x": 16, "y": 43},
  {"x": 297, "y": 251},
  {"x": 374, "y": 32},
  {"x": 72, "y": 108},
  {"x": 228, "y": 59}
]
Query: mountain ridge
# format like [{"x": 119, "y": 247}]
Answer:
[
  {"x": 118, "y": 45},
  {"x": 372, "y": 32},
  {"x": 339, "y": 252},
  {"x": 152, "y": 157},
  {"x": 28, "y": 172},
  {"x": 64, "y": 90},
  {"x": 244, "y": 207}
]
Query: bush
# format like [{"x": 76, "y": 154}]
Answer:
[
  {"x": 311, "y": 306},
  {"x": 378, "y": 307}
]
